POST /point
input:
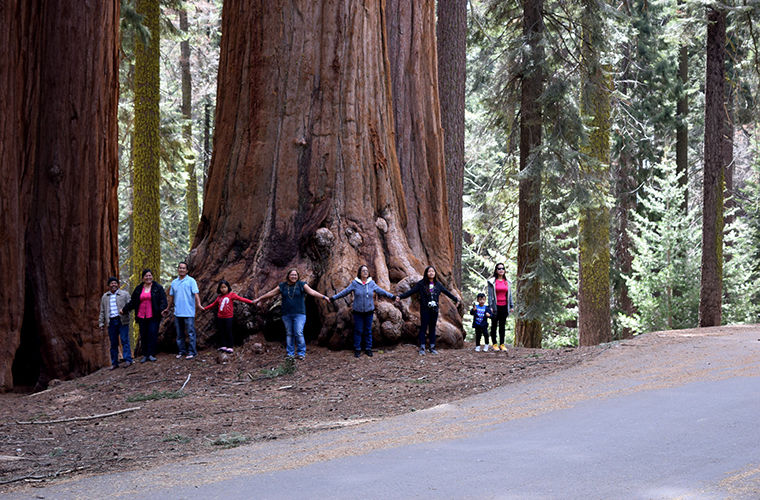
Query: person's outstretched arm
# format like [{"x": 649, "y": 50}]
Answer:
[
  {"x": 315, "y": 293},
  {"x": 268, "y": 295}
]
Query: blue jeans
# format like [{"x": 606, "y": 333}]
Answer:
[
  {"x": 185, "y": 324},
  {"x": 294, "y": 328},
  {"x": 363, "y": 330},
  {"x": 118, "y": 331}
]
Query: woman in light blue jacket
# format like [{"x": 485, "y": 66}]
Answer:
[{"x": 364, "y": 289}]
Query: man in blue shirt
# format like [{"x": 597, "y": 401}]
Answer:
[{"x": 183, "y": 294}]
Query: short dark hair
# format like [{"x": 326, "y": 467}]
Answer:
[
  {"x": 359, "y": 271},
  {"x": 145, "y": 271},
  {"x": 496, "y": 268},
  {"x": 181, "y": 262},
  {"x": 481, "y": 295},
  {"x": 223, "y": 282},
  {"x": 112, "y": 278}
]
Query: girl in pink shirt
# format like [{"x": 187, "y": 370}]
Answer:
[
  {"x": 500, "y": 302},
  {"x": 224, "y": 313}
]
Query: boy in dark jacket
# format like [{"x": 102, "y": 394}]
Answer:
[{"x": 480, "y": 314}]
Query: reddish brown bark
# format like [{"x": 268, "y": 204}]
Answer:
[
  {"x": 710, "y": 296},
  {"x": 528, "y": 329},
  {"x": 15, "y": 40},
  {"x": 304, "y": 172},
  {"x": 452, "y": 62},
  {"x": 59, "y": 148},
  {"x": 419, "y": 138}
]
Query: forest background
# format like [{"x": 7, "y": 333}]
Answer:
[
  {"x": 656, "y": 231},
  {"x": 624, "y": 106}
]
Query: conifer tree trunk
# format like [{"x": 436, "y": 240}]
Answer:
[
  {"x": 594, "y": 219},
  {"x": 187, "y": 128},
  {"x": 452, "y": 61},
  {"x": 419, "y": 139},
  {"x": 419, "y": 143},
  {"x": 728, "y": 129},
  {"x": 625, "y": 201},
  {"x": 58, "y": 147},
  {"x": 15, "y": 189},
  {"x": 527, "y": 327},
  {"x": 146, "y": 205},
  {"x": 711, "y": 287},
  {"x": 682, "y": 127},
  {"x": 304, "y": 172}
]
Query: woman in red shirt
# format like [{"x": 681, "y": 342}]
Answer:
[
  {"x": 500, "y": 302},
  {"x": 224, "y": 313}
]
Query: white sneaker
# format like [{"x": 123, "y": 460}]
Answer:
[
  {"x": 485, "y": 348},
  {"x": 477, "y": 348}
]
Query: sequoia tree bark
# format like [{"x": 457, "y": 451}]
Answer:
[
  {"x": 452, "y": 63},
  {"x": 412, "y": 52},
  {"x": 59, "y": 69},
  {"x": 710, "y": 292},
  {"x": 305, "y": 173},
  {"x": 528, "y": 326}
]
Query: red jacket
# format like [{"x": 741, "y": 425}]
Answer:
[{"x": 224, "y": 303}]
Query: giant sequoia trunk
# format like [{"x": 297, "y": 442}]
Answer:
[
  {"x": 528, "y": 326},
  {"x": 412, "y": 52},
  {"x": 452, "y": 62},
  {"x": 58, "y": 129},
  {"x": 305, "y": 172},
  {"x": 710, "y": 292}
]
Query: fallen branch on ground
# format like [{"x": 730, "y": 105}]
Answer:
[
  {"x": 33, "y": 477},
  {"x": 73, "y": 419},
  {"x": 186, "y": 381}
]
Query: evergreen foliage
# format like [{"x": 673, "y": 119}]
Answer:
[
  {"x": 664, "y": 283},
  {"x": 174, "y": 154}
]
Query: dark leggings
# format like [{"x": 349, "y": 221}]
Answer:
[
  {"x": 148, "y": 335},
  {"x": 499, "y": 318},
  {"x": 224, "y": 328},
  {"x": 428, "y": 319}
]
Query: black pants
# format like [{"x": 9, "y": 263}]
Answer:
[
  {"x": 224, "y": 328},
  {"x": 500, "y": 319},
  {"x": 428, "y": 319},
  {"x": 481, "y": 331},
  {"x": 148, "y": 335}
]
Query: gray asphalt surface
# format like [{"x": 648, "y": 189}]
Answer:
[{"x": 664, "y": 416}]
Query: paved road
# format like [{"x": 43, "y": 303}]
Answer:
[{"x": 663, "y": 416}]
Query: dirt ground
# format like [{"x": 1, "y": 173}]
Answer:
[{"x": 229, "y": 400}]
